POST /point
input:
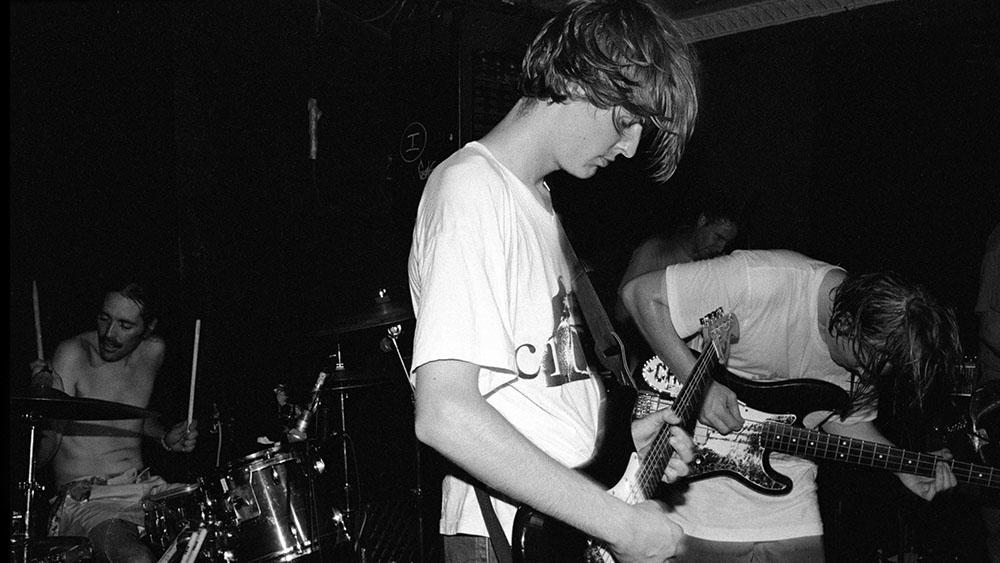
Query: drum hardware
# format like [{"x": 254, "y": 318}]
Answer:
[
  {"x": 984, "y": 412},
  {"x": 57, "y": 549},
  {"x": 392, "y": 337},
  {"x": 46, "y": 402},
  {"x": 340, "y": 377}
]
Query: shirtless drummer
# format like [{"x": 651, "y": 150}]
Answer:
[{"x": 98, "y": 465}]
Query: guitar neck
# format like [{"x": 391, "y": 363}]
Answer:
[
  {"x": 687, "y": 407},
  {"x": 802, "y": 442}
]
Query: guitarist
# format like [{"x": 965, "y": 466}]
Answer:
[
  {"x": 501, "y": 384},
  {"x": 799, "y": 317}
]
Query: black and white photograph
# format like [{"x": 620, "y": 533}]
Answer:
[{"x": 496, "y": 281}]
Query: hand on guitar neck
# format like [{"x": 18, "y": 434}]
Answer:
[{"x": 541, "y": 538}]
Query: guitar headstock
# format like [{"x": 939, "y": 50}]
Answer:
[{"x": 719, "y": 330}]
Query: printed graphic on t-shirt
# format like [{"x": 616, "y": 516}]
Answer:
[{"x": 562, "y": 360}]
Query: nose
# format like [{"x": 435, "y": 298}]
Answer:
[
  {"x": 629, "y": 141},
  {"x": 109, "y": 331}
]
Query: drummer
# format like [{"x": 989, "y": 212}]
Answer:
[{"x": 98, "y": 465}]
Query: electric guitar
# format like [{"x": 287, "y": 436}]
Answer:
[
  {"x": 540, "y": 538},
  {"x": 744, "y": 455}
]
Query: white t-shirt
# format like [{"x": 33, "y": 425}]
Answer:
[
  {"x": 773, "y": 294},
  {"x": 490, "y": 286}
]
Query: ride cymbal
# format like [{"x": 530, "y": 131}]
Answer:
[{"x": 384, "y": 312}]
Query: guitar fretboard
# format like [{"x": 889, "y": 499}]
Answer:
[
  {"x": 800, "y": 441},
  {"x": 687, "y": 407}
]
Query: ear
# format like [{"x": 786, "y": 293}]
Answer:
[
  {"x": 702, "y": 220},
  {"x": 150, "y": 327}
]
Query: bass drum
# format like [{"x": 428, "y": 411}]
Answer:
[
  {"x": 984, "y": 411},
  {"x": 270, "y": 511}
]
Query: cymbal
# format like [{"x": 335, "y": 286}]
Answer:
[
  {"x": 51, "y": 403},
  {"x": 386, "y": 313},
  {"x": 344, "y": 379}
]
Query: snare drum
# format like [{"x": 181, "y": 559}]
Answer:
[
  {"x": 169, "y": 513},
  {"x": 270, "y": 511}
]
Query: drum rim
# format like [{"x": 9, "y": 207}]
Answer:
[
  {"x": 261, "y": 459},
  {"x": 170, "y": 493},
  {"x": 261, "y": 454}
]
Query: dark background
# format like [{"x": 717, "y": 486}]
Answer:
[{"x": 173, "y": 138}]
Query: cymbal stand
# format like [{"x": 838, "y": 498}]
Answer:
[
  {"x": 393, "y": 333},
  {"x": 344, "y": 437},
  {"x": 29, "y": 487}
]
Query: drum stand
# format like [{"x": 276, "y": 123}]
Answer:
[
  {"x": 393, "y": 333},
  {"x": 345, "y": 439},
  {"x": 29, "y": 487}
]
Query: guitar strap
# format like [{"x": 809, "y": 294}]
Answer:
[
  {"x": 499, "y": 540},
  {"x": 590, "y": 305}
]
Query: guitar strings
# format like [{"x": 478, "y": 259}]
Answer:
[
  {"x": 660, "y": 451},
  {"x": 795, "y": 440}
]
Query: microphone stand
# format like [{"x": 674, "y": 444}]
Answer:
[{"x": 393, "y": 335}]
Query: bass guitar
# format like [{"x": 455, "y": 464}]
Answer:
[
  {"x": 745, "y": 455},
  {"x": 540, "y": 538}
]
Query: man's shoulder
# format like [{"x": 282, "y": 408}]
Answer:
[
  {"x": 153, "y": 347},
  {"x": 78, "y": 346},
  {"x": 471, "y": 162}
]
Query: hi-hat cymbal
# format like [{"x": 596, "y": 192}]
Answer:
[
  {"x": 344, "y": 379},
  {"x": 47, "y": 402}
]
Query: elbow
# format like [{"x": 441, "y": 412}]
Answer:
[
  {"x": 441, "y": 424},
  {"x": 433, "y": 426},
  {"x": 630, "y": 296},
  {"x": 423, "y": 427}
]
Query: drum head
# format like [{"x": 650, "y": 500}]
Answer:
[{"x": 252, "y": 458}]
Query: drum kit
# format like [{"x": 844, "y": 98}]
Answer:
[{"x": 264, "y": 507}]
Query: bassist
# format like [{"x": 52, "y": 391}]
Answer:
[{"x": 799, "y": 317}]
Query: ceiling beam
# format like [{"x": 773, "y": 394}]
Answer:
[{"x": 766, "y": 13}]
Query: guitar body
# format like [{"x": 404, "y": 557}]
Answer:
[
  {"x": 744, "y": 455},
  {"x": 795, "y": 396},
  {"x": 538, "y": 538},
  {"x": 741, "y": 455}
]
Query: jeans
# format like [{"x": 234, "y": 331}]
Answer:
[
  {"x": 795, "y": 550},
  {"x": 463, "y": 548}
]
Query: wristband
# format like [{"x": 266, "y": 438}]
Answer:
[{"x": 163, "y": 442}]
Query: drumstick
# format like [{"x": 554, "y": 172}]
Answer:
[
  {"x": 194, "y": 371},
  {"x": 38, "y": 320}
]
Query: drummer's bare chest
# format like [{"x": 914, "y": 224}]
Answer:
[{"x": 129, "y": 384}]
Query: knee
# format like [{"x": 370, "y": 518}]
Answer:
[{"x": 117, "y": 541}]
